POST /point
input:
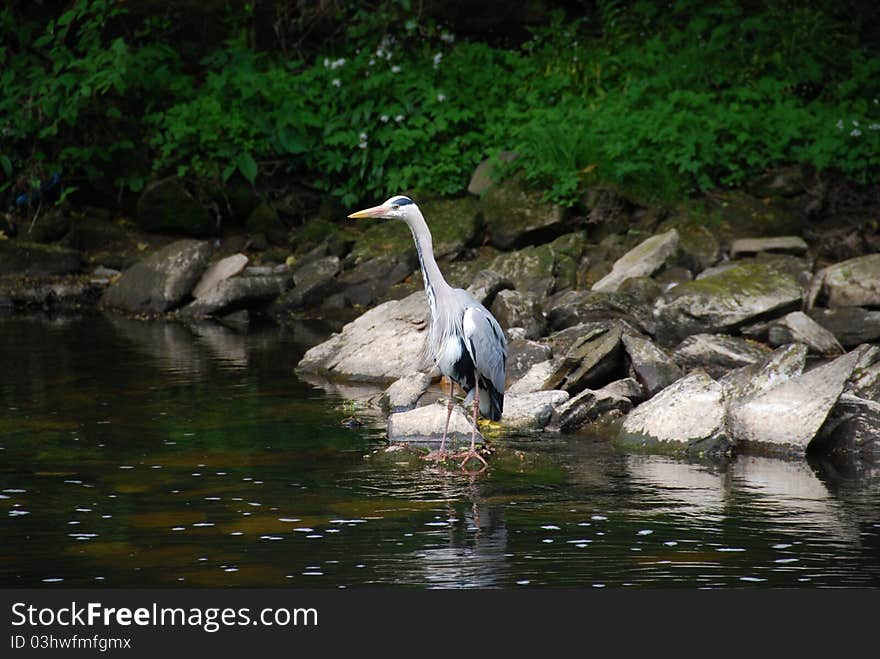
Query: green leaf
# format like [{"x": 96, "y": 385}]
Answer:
[
  {"x": 6, "y": 163},
  {"x": 247, "y": 166}
]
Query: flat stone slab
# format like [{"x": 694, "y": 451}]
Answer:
[
  {"x": 615, "y": 398},
  {"x": 852, "y": 326},
  {"x": 783, "y": 244},
  {"x": 382, "y": 345},
  {"x": 641, "y": 261},
  {"x": 424, "y": 425},
  {"x": 531, "y": 411},
  {"x": 591, "y": 359},
  {"x": 718, "y": 353},
  {"x": 403, "y": 394},
  {"x": 786, "y": 418},
  {"x": 689, "y": 413},
  {"x": 798, "y": 327},
  {"x": 219, "y": 271},
  {"x": 235, "y": 293}
]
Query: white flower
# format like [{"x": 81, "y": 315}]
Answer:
[
  {"x": 855, "y": 132},
  {"x": 399, "y": 118},
  {"x": 362, "y": 137},
  {"x": 441, "y": 97},
  {"x": 447, "y": 37},
  {"x": 395, "y": 69},
  {"x": 855, "y": 123},
  {"x": 326, "y": 62},
  {"x": 372, "y": 61},
  {"x": 384, "y": 118},
  {"x": 362, "y": 145},
  {"x": 336, "y": 82},
  {"x": 337, "y": 63},
  {"x": 839, "y": 124},
  {"x": 874, "y": 127},
  {"x": 437, "y": 58}
]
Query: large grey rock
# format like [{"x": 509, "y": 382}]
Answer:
[
  {"x": 167, "y": 206},
  {"x": 52, "y": 293},
  {"x": 781, "y": 365},
  {"x": 852, "y": 427},
  {"x": 576, "y": 307},
  {"x": 522, "y": 354},
  {"x": 718, "y": 353},
  {"x": 783, "y": 244},
  {"x": 512, "y": 214},
  {"x": 162, "y": 281},
  {"x": 726, "y": 300},
  {"x": 424, "y": 425},
  {"x": 370, "y": 280},
  {"x": 515, "y": 309},
  {"x": 35, "y": 260},
  {"x": 403, "y": 394},
  {"x": 615, "y": 398},
  {"x": 852, "y": 283},
  {"x": 689, "y": 414},
  {"x": 219, "y": 271},
  {"x": 311, "y": 283},
  {"x": 486, "y": 285},
  {"x": 589, "y": 362},
  {"x": 786, "y": 418},
  {"x": 237, "y": 293},
  {"x": 529, "y": 269},
  {"x": 852, "y": 326},
  {"x": 798, "y": 327},
  {"x": 484, "y": 175},
  {"x": 653, "y": 367},
  {"x": 531, "y": 411},
  {"x": 384, "y": 344},
  {"x": 535, "y": 379},
  {"x": 641, "y": 261}
]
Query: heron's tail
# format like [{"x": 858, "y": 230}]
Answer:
[{"x": 491, "y": 401}]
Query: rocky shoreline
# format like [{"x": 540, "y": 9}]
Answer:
[{"x": 746, "y": 321}]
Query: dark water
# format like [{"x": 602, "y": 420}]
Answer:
[{"x": 151, "y": 454}]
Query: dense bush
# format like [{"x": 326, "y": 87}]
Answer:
[{"x": 661, "y": 103}]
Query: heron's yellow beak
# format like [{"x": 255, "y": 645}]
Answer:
[{"x": 375, "y": 211}]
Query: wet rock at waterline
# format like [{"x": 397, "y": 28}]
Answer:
[
  {"x": 717, "y": 353},
  {"x": 160, "y": 282},
  {"x": 403, "y": 394},
  {"x": 35, "y": 260},
  {"x": 643, "y": 260},
  {"x": 786, "y": 418},
  {"x": 851, "y": 326},
  {"x": 236, "y": 293},
  {"x": 853, "y": 427},
  {"x": 394, "y": 331},
  {"x": 687, "y": 415},
  {"x": 56, "y": 292},
  {"x": 798, "y": 327},
  {"x": 725, "y": 300},
  {"x": 531, "y": 411},
  {"x": 616, "y": 398},
  {"x": 218, "y": 272},
  {"x": 424, "y": 425},
  {"x": 653, "y": 368},
  {"x": 852, "y": 283}
]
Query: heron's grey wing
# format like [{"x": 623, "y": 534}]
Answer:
[{"x": 486, "y": 344}]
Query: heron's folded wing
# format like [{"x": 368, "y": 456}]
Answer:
[{"x": 486, "y": 344}]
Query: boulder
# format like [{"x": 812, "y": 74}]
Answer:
[
  {"x": 591, "y": 361},
  {"x": 781, "y": 365},
  {"x": 395, "y": 330},
  {"x": 486, "y": 285},
  {"x": 218, "y": 272},
  {"x": 535, "y": 379},
  {"x": 513, "y": 214},
  {"x": 787, "y": 417},
  {"x": 698, "y": 248},
  {"x": 718, "y": 353},
  {"x": 852, "y": 283},
  {"x": 577, "y": 307},
  {"x": 852, "y": 427},
  {"x": 515, "y": 309},
  {"x": 531, "y": 411},
  {"x": 161, "y": 281},
  {"x": 522, "y": 354},
  {"x": 424, "y": 425},
  {"x": 783, "y": 244},
  {"x": 798, "y": 327},
  {"x": 371, "y": 280},
  {"x": 851, "y": 326},
  {"x": 653, "y": 367},
  {"x": 688, "y": 415},
  {"x": 616, "y": 398},
  {"x": 725, "y": 300},
  {"x": 166, "y": 206},
  {"x": 485, "y": 174},
  {"x": 237, "y": 293},
  {"x": 641, "y": 261},
  {"x": 529, "y": 269},
  {"x": 35, "y": 260},
  {"x": 312, "y": 282},
  {"x": 403, "y": 394}
]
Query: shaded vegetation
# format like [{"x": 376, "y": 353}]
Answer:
[{"x": 363, "y": 99}]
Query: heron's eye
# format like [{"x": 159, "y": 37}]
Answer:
[{"x": 396, "y": 207}]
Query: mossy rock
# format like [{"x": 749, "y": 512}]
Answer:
[
  {"x": 514, "y": 215},
  {"x": 19, "y": 257},
  {"x": 166, "y": 206},
  {"x": 531, "y": 269},
  {"x": 744, "y": 216}
]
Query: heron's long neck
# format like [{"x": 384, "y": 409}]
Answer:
[{"x": 434, "y": 282}]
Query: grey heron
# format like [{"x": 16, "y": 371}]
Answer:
[{"x": 464, "y": 340}]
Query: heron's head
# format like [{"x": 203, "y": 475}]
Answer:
[{"x": 397, "y": 207}]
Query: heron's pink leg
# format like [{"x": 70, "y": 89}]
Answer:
[
  {"x": 441, "y": 454},
  {"x": 472, "y": 452}
]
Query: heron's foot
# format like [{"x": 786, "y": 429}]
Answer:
[{"x": 467, "y": 456}]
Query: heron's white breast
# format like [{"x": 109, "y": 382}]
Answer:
[{"x": 450, "y": 353}]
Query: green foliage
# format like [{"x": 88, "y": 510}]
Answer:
[{"x": 664, "y": 103}]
